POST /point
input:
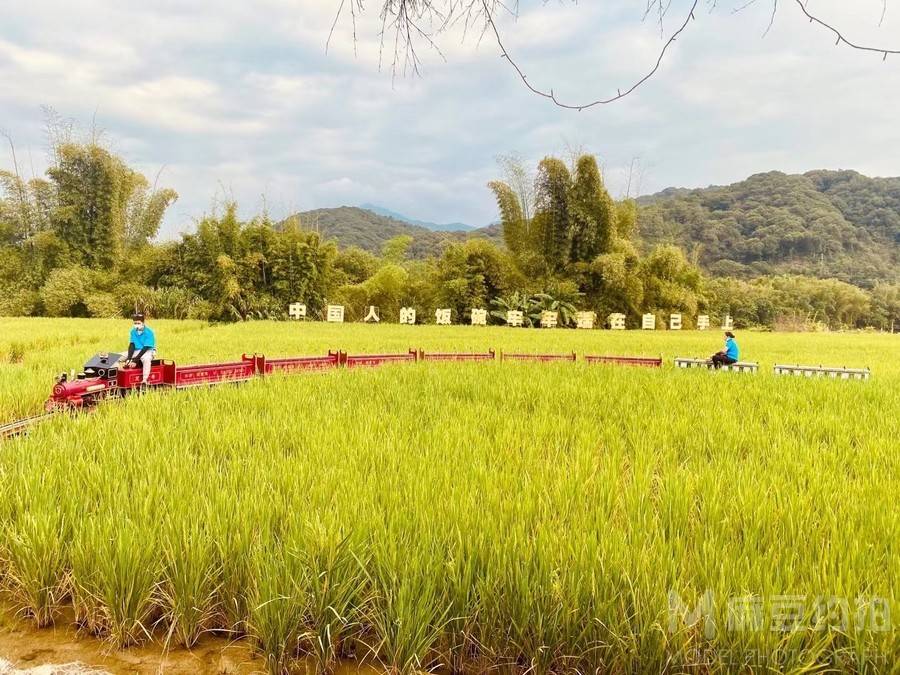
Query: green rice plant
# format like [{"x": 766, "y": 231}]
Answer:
[
  {"x": 466, "y": 554},
  {"x": 35, "y": 537},
  {"x": 16, "y": 352},
  {"x": 278, "y": 606},
  {"x": 464, "y": 517},
  {"x": 189, "y": 591},
  {"x": 35, "y": 561},
  {"x": 336, "y": 585},
  {"x": 115, "y": 572},
  {"x": 407, "y": 611},
  {"x": 234, "y": 532}
]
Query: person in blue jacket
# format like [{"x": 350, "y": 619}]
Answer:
[
  {"x": 141, "y": 346},
  {"x": 729, "y": 355}
]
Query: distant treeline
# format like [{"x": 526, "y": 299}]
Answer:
[
  {"x": 80, "y": 242},
  {"x": 827, "y": 224}
]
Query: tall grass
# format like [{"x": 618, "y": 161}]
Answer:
[{"x": 517, "y": 516}]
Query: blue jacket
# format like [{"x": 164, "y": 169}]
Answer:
[
  {"x": 731, "y": 349},
  {"x": 143, "y": 339}
]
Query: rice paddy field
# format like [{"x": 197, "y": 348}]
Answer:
[{"x": 517, "y": 517}]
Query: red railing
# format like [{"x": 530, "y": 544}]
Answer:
[
  {"x": 457, "y": 356},
  {"x": 213, "y": 373},
  {"x": 303, "y": 363},
  {"x": 537, "y": 357},
  {"x": 363, "y": 360},
  {"x": 643, "y": 361}
]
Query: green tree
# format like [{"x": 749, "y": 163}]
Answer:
[
  {"x": 626, "y": 218},
  {"x": 886, "y": 305},
  {"x": 541, "y": 302},
  {"x": 470, "y": 274},
  {"x": 25, "y": 209},
  {"x": 515, "y": 199},
  {"x": 93, "y": 188},
  {"x": 145, "y": 211},
  {"x": 356, "y": 264},
  {"x": 301, "y": 268},
  {"x": 66, "y": 292},
  {"x": 552, "y": 214},
  {"x": 511, "y": 302},
  {"x": 396, "y": 249},
  {"x": 616, "y": 281},
  {"x": 386, "y": 289},
  {"x": 592, "y": 211},
  {"x": 671, "y": 282},
  {"x": 515, "y": 225}
]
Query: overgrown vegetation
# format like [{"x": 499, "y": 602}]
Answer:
[{"x": 81, "y": 243}]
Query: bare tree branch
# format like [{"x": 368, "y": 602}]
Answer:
[
  {"x": 406, "y": 22},
  {"x": 550, "y": 94},
  {"x": 12, "y": 150},
  {"x": 748, "y": 3},
  {"x": 412, "y": 21},
  {"x": 840, "y": 37},
  {"x": 772, "y": 18},
  {"x": 354, "y": 5}
]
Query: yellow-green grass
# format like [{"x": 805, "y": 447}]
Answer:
[
  {"x": 33, "y": 351},
  {"x": 471, "y": 515}
]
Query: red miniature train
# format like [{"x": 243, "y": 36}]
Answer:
[{"x": 106, "y": 374}]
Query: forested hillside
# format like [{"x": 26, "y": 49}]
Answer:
[
  {"x": 365, "y": 229},
  {"x": 824, "y": 224},
  {"x": 827, "y": 224},
  {"x": 428, "y": 225}
]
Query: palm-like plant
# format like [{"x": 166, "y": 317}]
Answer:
[
  {"x": 544, "y": 302},
  {"x": 515, "y": 301},
  {"x": 531, "y": 307}
]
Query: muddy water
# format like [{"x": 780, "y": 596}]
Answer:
[{"x": 61, "y": 651}]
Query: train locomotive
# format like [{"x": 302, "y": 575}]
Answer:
[{"x": 105, "y": 374}]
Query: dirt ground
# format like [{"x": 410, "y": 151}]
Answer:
[{"x": 60, "y": 650}]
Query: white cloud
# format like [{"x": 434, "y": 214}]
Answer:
[{"x": 242, "y": 97}]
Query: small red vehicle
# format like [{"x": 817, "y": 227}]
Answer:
[{"x": 106, "y": 374}]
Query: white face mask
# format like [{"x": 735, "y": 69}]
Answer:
[{"x": 139, "y": 328}]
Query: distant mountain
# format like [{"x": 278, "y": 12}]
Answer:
[
  {"x": 827, "y": 224},
  {"x": 434, "y": 227},
  {"x": 837, "y": 224},
  {"x": 354, "y": 226}
]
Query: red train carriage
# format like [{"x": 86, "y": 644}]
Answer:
[{"x": 105, "y": 375}]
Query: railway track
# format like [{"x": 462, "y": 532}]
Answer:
[{"x": 17, "y": 427}]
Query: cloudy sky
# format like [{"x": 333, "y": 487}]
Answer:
[{"x": 241, "y": 99}]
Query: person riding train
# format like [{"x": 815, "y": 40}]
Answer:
[
  {"x": 143, "y": 341},
  {"x": 729, "y": 355}
]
